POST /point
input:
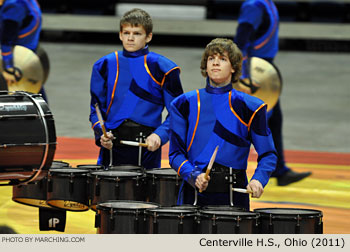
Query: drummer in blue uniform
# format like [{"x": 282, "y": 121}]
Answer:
[
  {"x": 131, "y": 88},
  {"x": 219, "y": 115},
  {"x": 20, "y": 24}
]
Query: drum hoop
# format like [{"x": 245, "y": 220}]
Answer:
[
  {"x": 220, "y": 215},
  {"x": 162, "y": 212},
  {"x": 101, "y": 207},
  {"x": 44, "y": 158},
  {"x": 312, "y": 213},
  {"x": 60, "y": 173}
]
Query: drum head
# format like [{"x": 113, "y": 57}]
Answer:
[
  {"x": 126, "y": 205},
  {"x": 90, "y": 167},
  {"x": 222, "y": 208},
  {"x": 68, "y": 171},
  {"x": 32, "y": 70},
  {"x": 58, "y": 164},
  {"x": 288, "y": 212},
  {"x": 162, "y": 172},
  {"x": 167, "y": 211},
  {"x": 115, "y": 174}
]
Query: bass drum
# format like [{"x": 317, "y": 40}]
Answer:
[{"x": 27, "y": 137}]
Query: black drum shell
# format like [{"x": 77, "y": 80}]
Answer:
[
  {"x": 122, "y": 217},
  {"x": 171, "y": 220},
  {"x": 116, "y": 185},
  {"x": 68, "y": 189},
  {"x": 22, "y": 135},
  {"x": 227, "y": 222},
  {"x": 289, "y": 221},
  {"x": 163, "y": 186}
]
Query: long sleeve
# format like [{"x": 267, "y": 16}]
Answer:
[
  {"x": 12, "y": 17},
  {"x": 178, "y": 133},
  {"x": 98, "y": 95},
  {"x": 264, "y": 145},
  {"x": 171, "y": 89}
]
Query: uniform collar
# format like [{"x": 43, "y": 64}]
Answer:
[
  {"x": 218, "y": 90},
  {"x": 138, "y": 53}
]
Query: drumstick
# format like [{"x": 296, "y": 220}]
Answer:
[
  {"x": 210, "y": 165},
  {"x": 133, "y": 143},
  {"x": 99, "y": 116},
  {"x": 241, "y": 190}
]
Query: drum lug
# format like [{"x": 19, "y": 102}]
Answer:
[
  {"x": 297, "y": 227},
  {"x": 49, "y": 183},
  {"x": 270, "y": 228},
  {"x": 97, "y": 186},
  {"x": 237, "y": 227},
  {"x": 180, "y": 228},
  {"x": 214, "y": 226},
  {"x": 112, "y": 219},
  {"x": 71, "y": 183}
]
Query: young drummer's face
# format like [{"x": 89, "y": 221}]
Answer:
[
  {"x": 219, "y": 69},
  {"x": 134, "y": 38}
]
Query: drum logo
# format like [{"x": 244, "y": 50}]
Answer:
[
  {"x": 53, "y": 222},
  {"x": 73, "y": 205},
  {"x": 13, "y": 108}
]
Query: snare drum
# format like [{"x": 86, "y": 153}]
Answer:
[
  {"x": 227, "y": 222},
  {"x": 122, "y": 217},
  {"x": 116, "y": 185},
  {"x": 35, "y": 193},
  {"x": 27, "y": 137},
  {"x": 171, "y": 220},
  {"x": 163, "y": 186},
  {"x": 68, "y": 189},
  {"x": 290, "y": 221}
]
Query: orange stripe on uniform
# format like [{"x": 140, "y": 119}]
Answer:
[
  {"x": 115, "y": 82},
  {"x": 165, "y": 75},
  {"x": 93, "y": 126},
  {"x": 198, "y": 113},
  {"x": 251, "y": 119},
  {"x": 149, "y": 72},
  {"x": 233, "y": 111},
  {"x": 178, "y": 170},
  {"x": 6, "y": 53}
]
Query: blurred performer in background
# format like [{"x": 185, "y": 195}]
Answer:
[
  {"x": 20, "y": 24},
  {"x": 131, "y": 88},
  {"x": 219, "y": 115},
  {"x": 257, "y": 36}
]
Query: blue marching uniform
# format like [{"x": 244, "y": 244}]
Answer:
[
  {"x": 257, "y": 36},
  {"x": 133, "y": 87},
  {"x": 202, "y": 119},
  {"x": 20, "y": 24}
]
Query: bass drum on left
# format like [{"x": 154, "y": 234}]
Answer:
[{"x": 27, "y": 137}]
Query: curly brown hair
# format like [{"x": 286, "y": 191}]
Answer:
[
  {"x": 137, "y": 17},
  {"x": 220, "y": 46}
]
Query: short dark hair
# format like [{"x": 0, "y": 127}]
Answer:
[
  {"x": 137, "y": 17},
  {"x": 220, "y": 46}
]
